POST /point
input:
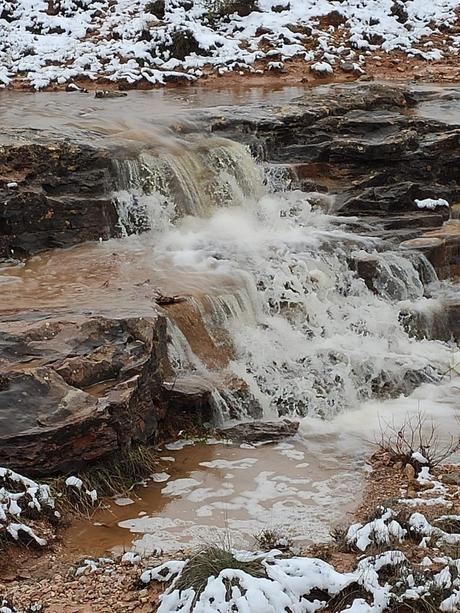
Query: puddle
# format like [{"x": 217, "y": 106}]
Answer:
[{"x": 216, "y": 493}]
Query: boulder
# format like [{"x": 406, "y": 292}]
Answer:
[
  {"x": 441, "y": 246},
  {"x": 53, "y": 193},
  {"x": 75, "y": 389}
]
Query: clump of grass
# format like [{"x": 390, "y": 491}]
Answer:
[
  {"x": 344, "y": 599},
  {"x": 339, "y": 537},
  {"x": 120, "y": 472},
  {"x": 113, "y": 476},
  {"x": 272, "y": 538},
  {"x": 417, "y": 434},
  {"x": 209, "y": 562}
]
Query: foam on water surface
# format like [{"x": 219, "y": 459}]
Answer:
[{"x": 271, "y": 301}]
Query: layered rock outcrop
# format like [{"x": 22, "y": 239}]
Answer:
[
  {"x": 53, "y": 193},
  {"x": 76, "y": 385},
  {"x": 75, "y": 389}
]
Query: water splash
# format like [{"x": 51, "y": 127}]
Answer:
[
  {"x": 192, "y": 178},
  {"x": 308, "y": 335}
]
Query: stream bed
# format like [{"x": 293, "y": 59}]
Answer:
[{"x": 266, "y": 303}]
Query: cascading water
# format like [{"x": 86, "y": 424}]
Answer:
[
  {"x": 188, "y": 178},
  {"x": 307, "y": 335},
  {"x": 287, "y": 312}
]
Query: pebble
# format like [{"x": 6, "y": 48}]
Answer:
[{"x": 409, "y": 471}]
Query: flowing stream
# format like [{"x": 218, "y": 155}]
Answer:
[{"x": 276, "y": 319}]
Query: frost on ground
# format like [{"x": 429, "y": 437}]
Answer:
[{"x": 56, "y": 41}]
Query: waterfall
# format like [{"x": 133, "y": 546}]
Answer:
[
  {"x": 193, "y": 177},
  {"x": 305, "y": 332}
]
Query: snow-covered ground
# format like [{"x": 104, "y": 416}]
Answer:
[
  {"x": 58, "y": 41},
  {"x": 307, "y": 585}
]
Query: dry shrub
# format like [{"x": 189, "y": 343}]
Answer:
[
  {"x": 417, "y": 434},
  {"x": 273, "y": 538}
]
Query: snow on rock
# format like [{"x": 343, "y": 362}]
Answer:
[
  {"x": 322, "y": 68},
  {"x": 436, "y": 495},
  {"x": 19, "y": 497},
  {"x": 164, "y": 572},
  {"x": 431, "y": 203},
  {"x": 131, "y": 557},
  {"x": 92, "y": 565},
  {"x": 57, "y": 42}
]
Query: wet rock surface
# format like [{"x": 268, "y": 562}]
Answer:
[
  {"x": 75, "y": 389},
  {"x": 365, "y": 144},
  {"x": 53, "y": 193},
  {"x": 260, "y": 431}
]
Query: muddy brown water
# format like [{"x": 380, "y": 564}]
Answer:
[
  {"x": 214, "y": 493},
  {"x": 145, "y": 114},
  {"x": 139, "y": 116},
  {"x": 208, "y": 492}
]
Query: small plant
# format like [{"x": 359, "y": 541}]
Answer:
[
  {"x": 210, "y": 562},
  {"x": 270, "y": 539},
  {"x": 407, "y": 576},
  {"x": 345, "y": 598},
  {"x": 339, "y": 537},
  {"x": 416, "y": 442},
  {"x": 112, "y": 477}
]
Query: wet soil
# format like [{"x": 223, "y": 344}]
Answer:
[{"x": 395, "y": 66}]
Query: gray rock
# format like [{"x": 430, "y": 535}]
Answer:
[{"x": 260, "y": 431}]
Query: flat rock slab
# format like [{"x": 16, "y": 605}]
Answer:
[{"x": 260, "y": 431}]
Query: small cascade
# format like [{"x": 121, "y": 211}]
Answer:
[
  {"x": 312, "y": 319},
  {"x": 192, "y": 177}
]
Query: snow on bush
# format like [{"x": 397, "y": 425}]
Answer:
[
  {"x": 21, "y": 498},
  {"x": 307, "y": 585},
  {"x": 380, "y": 531},
  {"x": 59, "y": 40},
  {"x": 420, "y": 525},
  {"x": 287, "y": 585}
]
